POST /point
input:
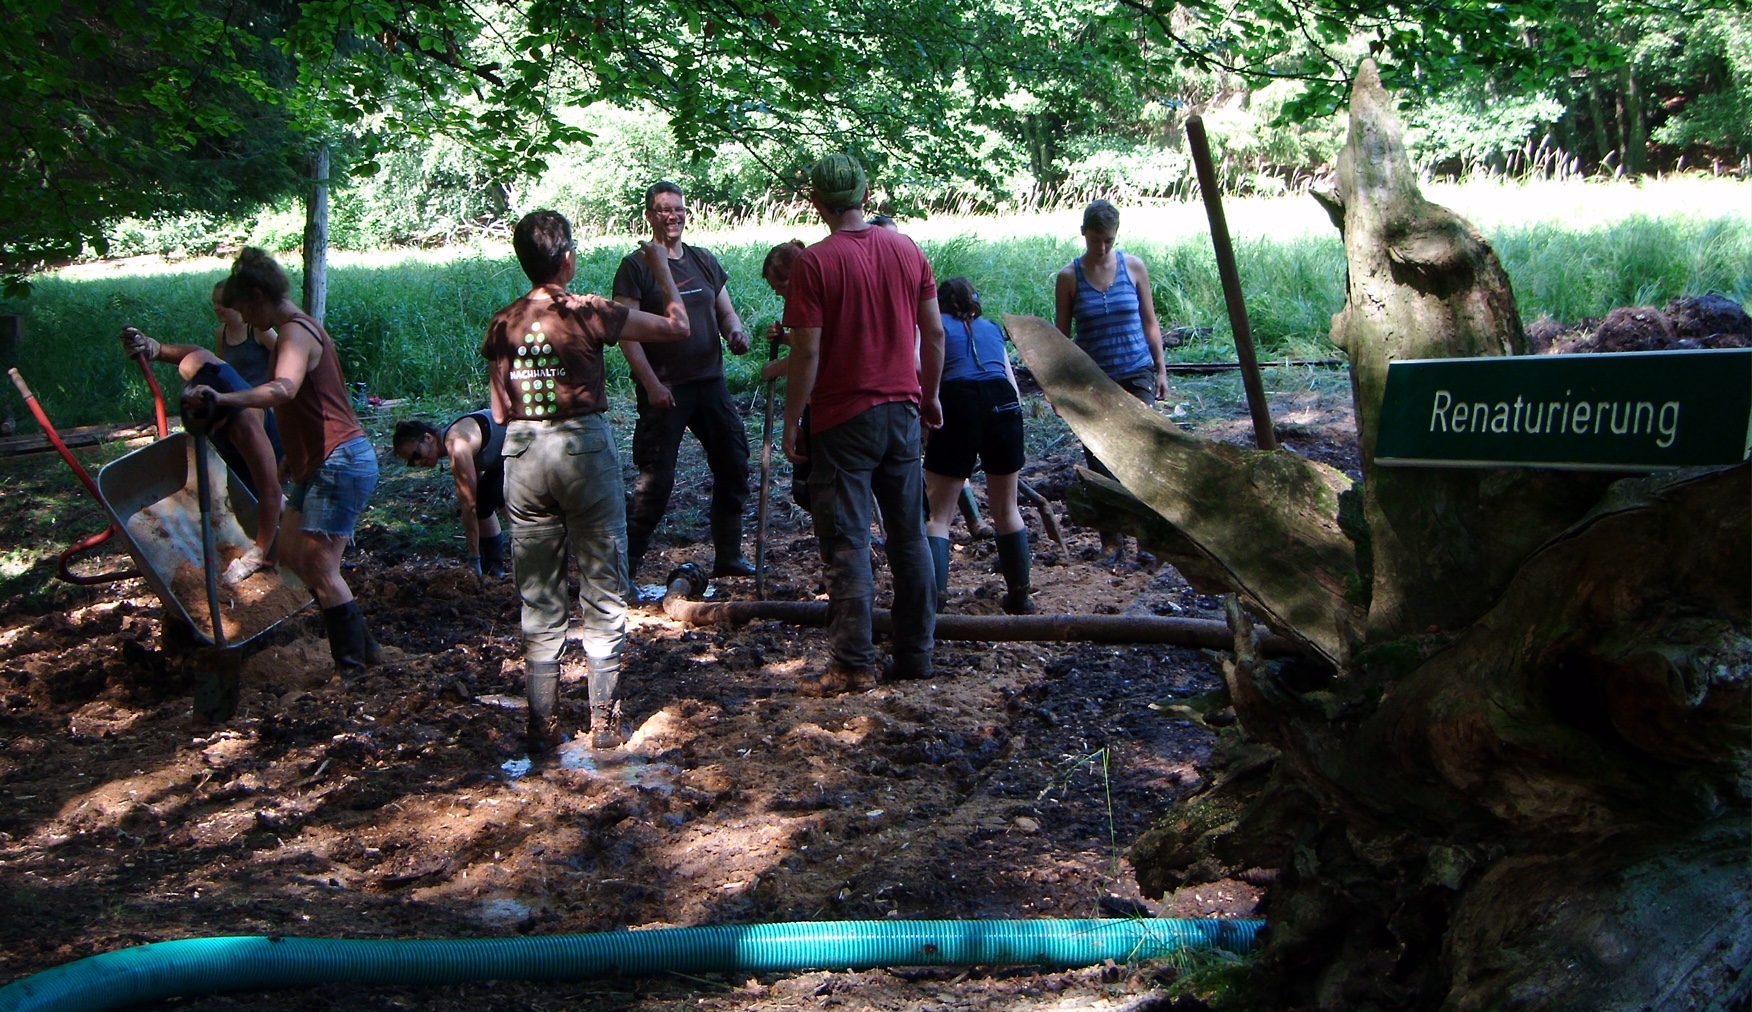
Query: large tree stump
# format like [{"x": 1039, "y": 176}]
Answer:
[{"x": 1524, "y": 781}]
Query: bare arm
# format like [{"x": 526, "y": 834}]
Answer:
[
  {"x": 462, "y": 450},
  {"x": 799, "y": 384},
  {"x": 930, "y": 363},
  {"x": 135, "y": 343},
  {"x": 1140, "y": 276},
  {"x": 1064, "y": 292},
  {"x": 729, "y": 324},
  {"x": 297, "y": 355},
  {"x": 672, "y": 324},
  {"x": 267, "y": 338},
  {"x": 659, "y": 395}
]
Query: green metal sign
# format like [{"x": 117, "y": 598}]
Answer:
[{"x": 1629, "y": 411}]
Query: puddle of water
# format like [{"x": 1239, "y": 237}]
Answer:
[
  {"x": 627, "y": 767},
  {"x": 503, "y": 910},
  {"x": 517, "y": 767}
]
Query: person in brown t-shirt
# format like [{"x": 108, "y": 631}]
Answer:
[
  {"x": 562, "y": 478},
  {"x": 681, "y": 387}
]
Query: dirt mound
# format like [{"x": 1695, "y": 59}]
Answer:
[{"x": 1711, "y": 321}]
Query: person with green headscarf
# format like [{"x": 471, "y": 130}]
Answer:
[{"x": 860, "y": 304}]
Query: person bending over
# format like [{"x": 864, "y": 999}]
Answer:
[
  {"x": 239, "y": 434},
  {"x": 562, "y": 477},
  {"x": 473, "y": 445},
  {"x": 331, "y": 464},
  {"x": 982, "y": 420}
]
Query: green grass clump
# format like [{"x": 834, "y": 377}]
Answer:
[{"x": 410, "y": 324}]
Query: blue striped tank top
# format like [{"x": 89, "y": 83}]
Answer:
[{"x": 1109, "y": 327}]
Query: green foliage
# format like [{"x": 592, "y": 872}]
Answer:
[
  {"x": 115, "y": 110},
  {"x": 411, "y": 325}
]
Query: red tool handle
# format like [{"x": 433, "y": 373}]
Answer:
[
  {"x": 97, "y": 539},
  {"x": 42, "y": 418},
  {"x": 157, "y": 395}
]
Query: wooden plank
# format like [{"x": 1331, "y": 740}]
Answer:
[{"x": 84, "y": 435}]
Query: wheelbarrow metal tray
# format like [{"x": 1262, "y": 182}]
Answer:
[{"x": 152, "y": 499}]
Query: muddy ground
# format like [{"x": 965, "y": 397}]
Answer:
[{"x": 399, "y": 805}]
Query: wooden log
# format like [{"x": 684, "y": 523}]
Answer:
[{"x": 1267, "y": 519}]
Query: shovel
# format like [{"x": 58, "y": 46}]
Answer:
[
  {"x": 196, "y": 421},
  {"x": 766, "y": 477}
]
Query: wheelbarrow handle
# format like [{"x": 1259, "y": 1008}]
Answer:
[
  {"x": 55, "y": 440},
  {"x": 64, "y": 562},
  {"x": 157, "y": 395}
]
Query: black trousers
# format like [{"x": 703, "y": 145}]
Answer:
[{"x": 707, "y": 409}]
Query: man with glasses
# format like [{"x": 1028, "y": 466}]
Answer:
[{"x": 681, "y": 386}]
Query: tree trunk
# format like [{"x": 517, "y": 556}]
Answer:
[
  {"x": 1636, "y": 131},
  {"x": 1522, "y": 783},
  {"x": 1602, "y": 142},
  {"x": 316, "y": 236}
]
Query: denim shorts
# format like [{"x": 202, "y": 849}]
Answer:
[{"x": 335, "y": 495}]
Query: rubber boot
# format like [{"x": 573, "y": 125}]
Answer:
[
  {"x": 493, "y": 554},
  {"x": 605, "y": 715},
  {"x": 940, "y": 565},
  {"x": 1016, "y": 562},
  {"x": 542, "y": 686},
  {"x": 347, "y": 637},
  {"x": 373, "y": 649}
]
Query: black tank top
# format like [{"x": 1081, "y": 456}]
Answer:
[{"x": 492, "y": 438}]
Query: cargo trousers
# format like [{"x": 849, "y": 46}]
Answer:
[
  {"x": 874, "y": 458},
  {"x": 563, "y": 488}
]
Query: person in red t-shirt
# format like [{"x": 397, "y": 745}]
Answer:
[{"x": 857, "y": 303}]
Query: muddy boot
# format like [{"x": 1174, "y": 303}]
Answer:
[
  {"x": 837, "y": 680},
  {"x": 940, "y": 565},
  {"x": 347, "y": 638},
  {"x": 373, "y": 649},
  {"x": 493, "y": 554},
  {"x": 605, "y": 715},
  {"x": 1015, "y": 561},
  {"x": 542, "y": 686},
  {"x": 605, "y": 726}
]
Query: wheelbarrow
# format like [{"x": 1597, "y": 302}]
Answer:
[{"x": 182, "y": 514}]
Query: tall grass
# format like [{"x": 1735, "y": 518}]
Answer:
[{"x": 410, "y": 324}]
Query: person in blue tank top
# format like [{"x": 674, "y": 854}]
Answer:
[
  {"x": 1105, "y": 294},
  {"x": 982, "y": 418}
]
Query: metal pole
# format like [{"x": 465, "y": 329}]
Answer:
[{"x": 1213, "y": 201}]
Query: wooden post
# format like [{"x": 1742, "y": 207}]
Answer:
[
  {"x": 316, "y": 236},
  {"x": 1213, "y": 202}
]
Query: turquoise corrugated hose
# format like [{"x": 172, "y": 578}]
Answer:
[{"x": 117, "y": 980}]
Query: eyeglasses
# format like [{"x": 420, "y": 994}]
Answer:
[{"x": 669, "y": 212}]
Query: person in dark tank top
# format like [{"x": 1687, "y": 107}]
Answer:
[
  {"x": 251, "y": 353},
  {"x": 474, "y": 445}
]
